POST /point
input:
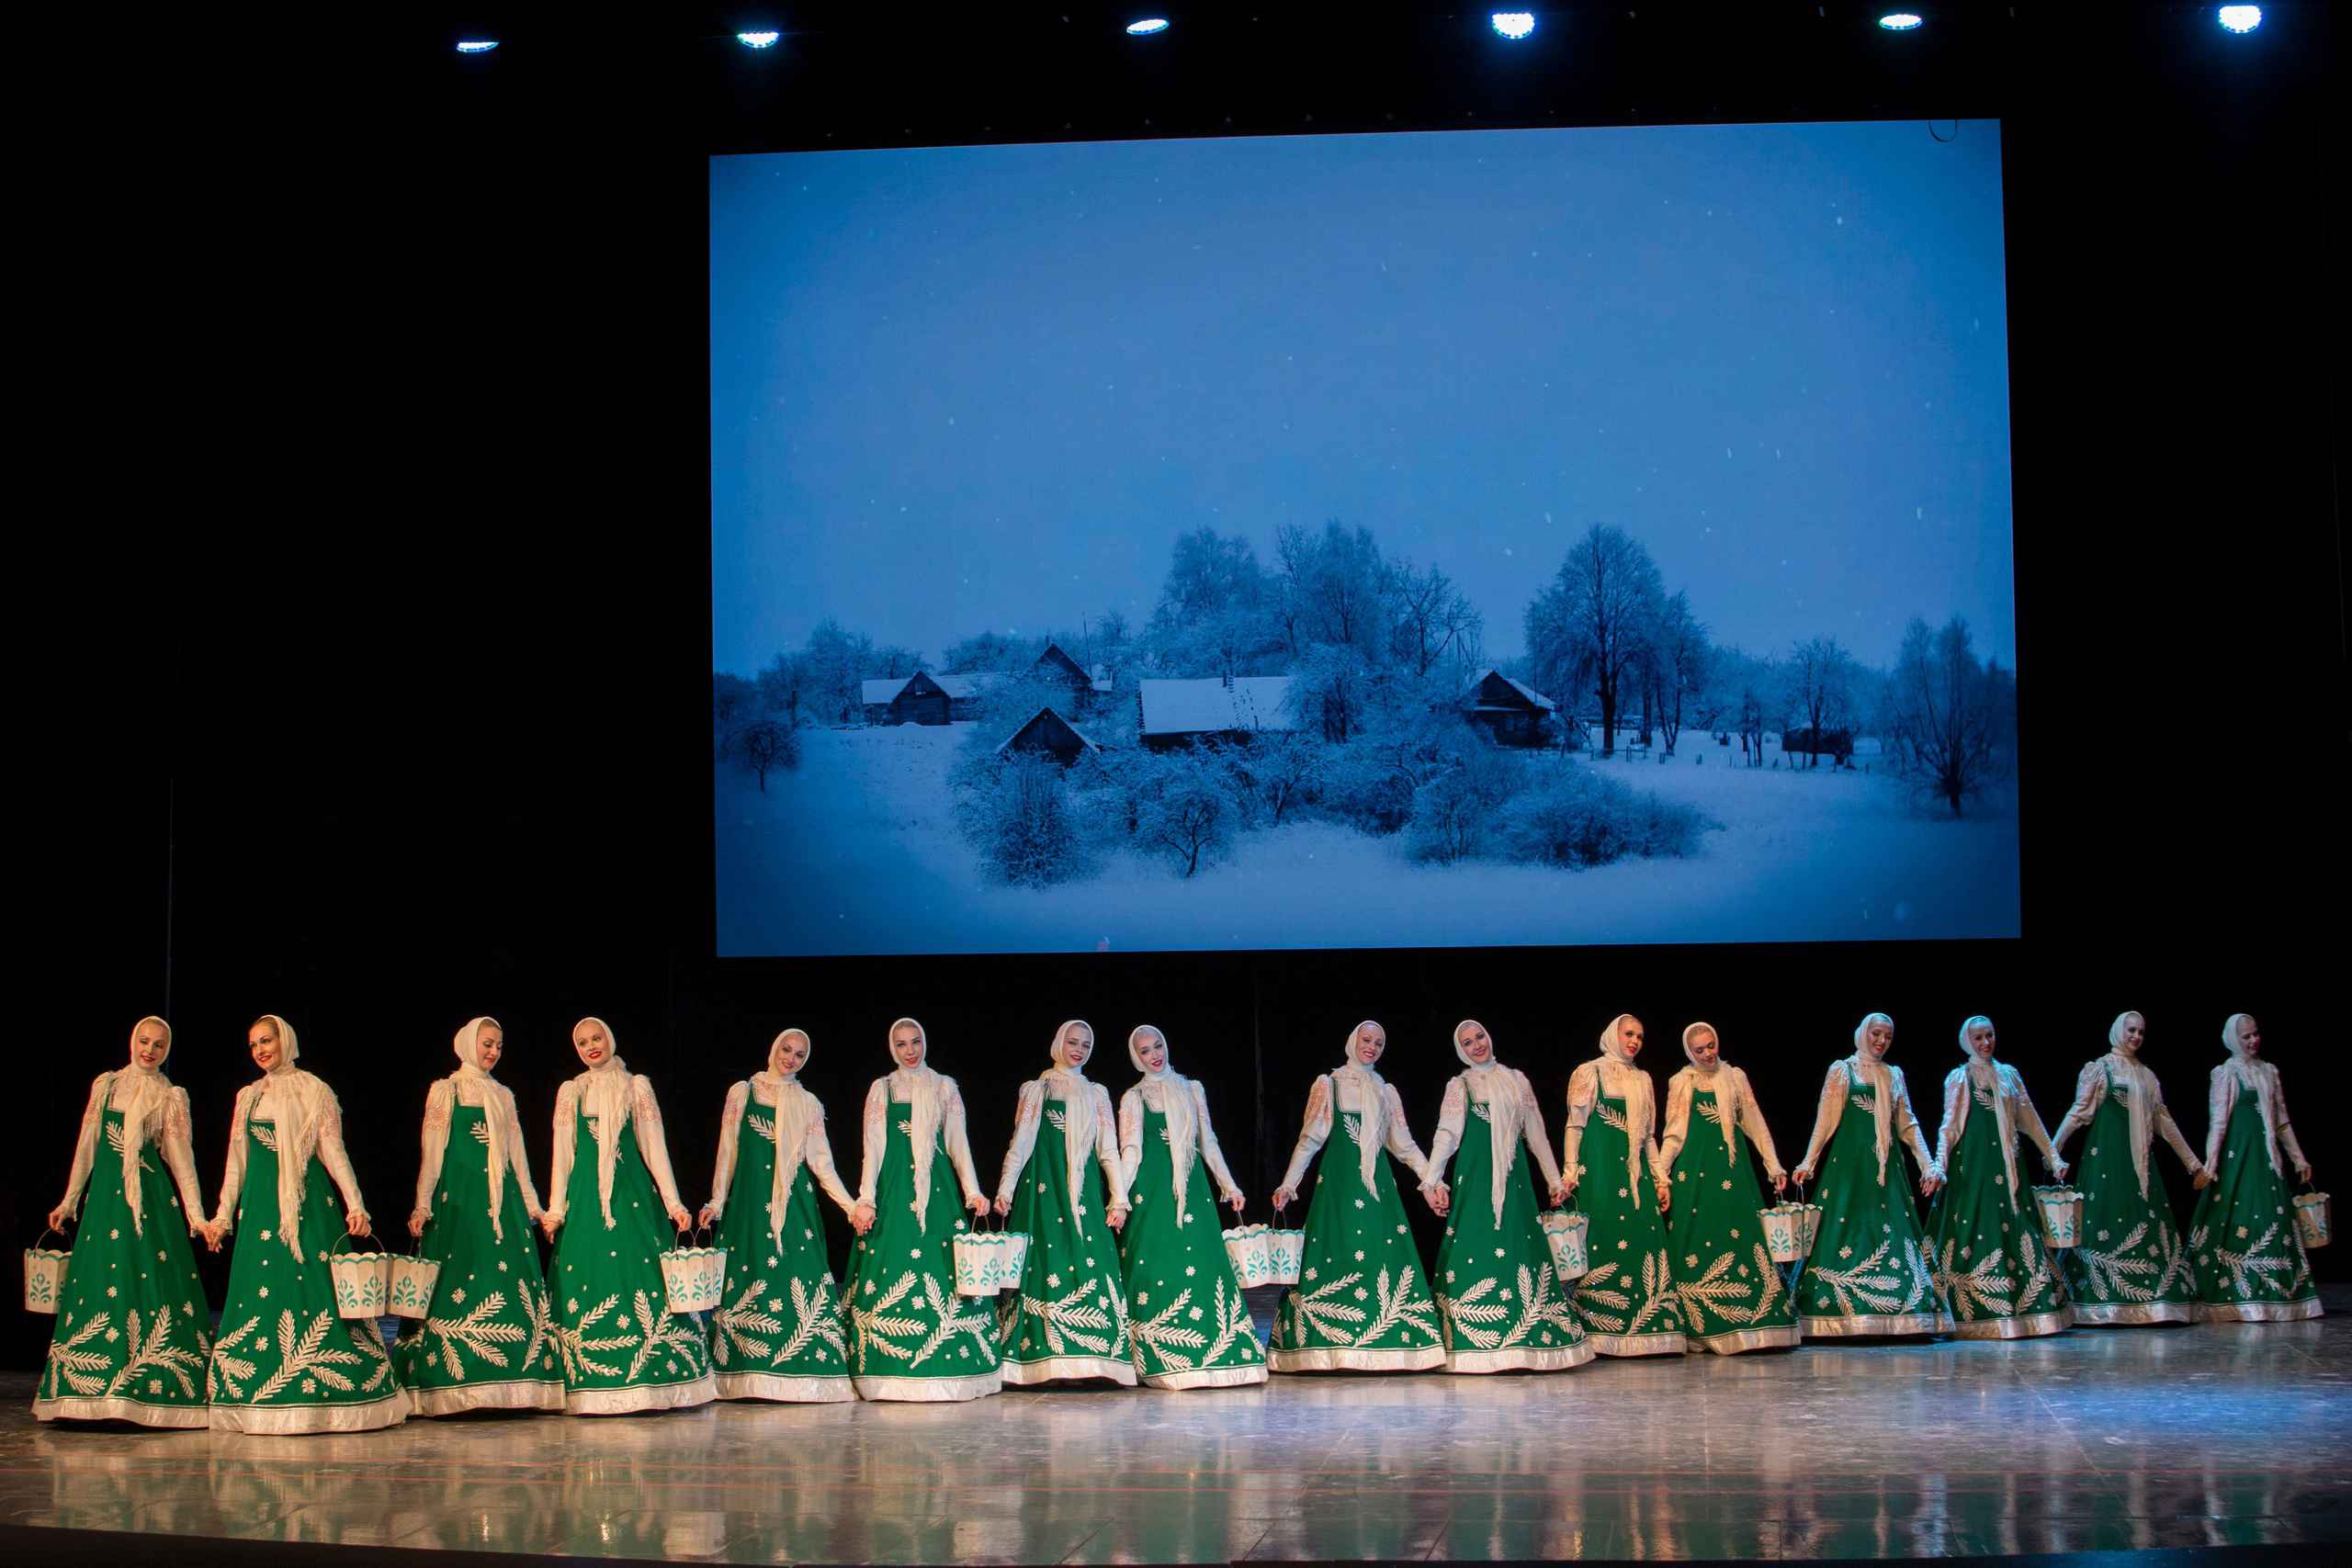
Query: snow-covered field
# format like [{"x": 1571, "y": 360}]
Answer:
[{"x": 856, "y": 850}]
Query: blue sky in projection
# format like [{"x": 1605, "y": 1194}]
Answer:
[{"x": 967, "y": 389}]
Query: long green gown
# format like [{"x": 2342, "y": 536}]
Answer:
[
  {"x": 1361, "y": 1304},
  {"x": 284, "y": 1361},
  {"x": 1869, "y": 1273},
  {"x": 1730, "y": 1289},
  {"x": 1984, "y": 1237},
  {"x": 779, "y": 1332},
  {"x": 2251, "y": 1267},
  {"x": 1068, "y": 1319},
  {"x": 1626, "y": 1300},
  {"x": 1502, "y": 1305},
  {"x": 131, "y": 1339},
  {"x": 1190, "y": 1327},
  {"x": 912, "y": 1336},
  {"x": 2130, "y": 1265},
  {"x": 623, "y": 1349},
  {"x": 487, "y": 1340}
]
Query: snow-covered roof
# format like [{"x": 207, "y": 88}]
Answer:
[
  {"x": 962, "y": 686},
  {"x": 1532, "y": 695},
  {"x": 1085, "y": 740},
  {"x": 1210, "y": 706},
  {"x": 884, "y": 692}
]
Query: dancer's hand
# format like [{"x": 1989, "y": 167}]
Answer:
[
  {"x": 58, "y": 1216},
  {"x": 1236, "y": 1201},
  {"x": 2058, "y": 1170},
  {"x": 1664, "y": 1195},
  {"x": 1801, "y": 1175},
  {"x": 359, "y": 1224},
  {"x": 1929, "y": 1183},
  {"x": 1003, "y": 1207},
  {"x": 416, "y": 1224},
  {"x": 2304, "y": 1172},
  {"x": 550, "y": 1223},
  {"x": 979, "y": 1205},
  {"x": 1284, "y": 1197},
  {"x": 679, "y": 1218},
  {"x": 1779, "y": 1181},
  {"x": 860, "y": 1217},
  {"x": 1119, "y": 1218},
  {"x": 708, "y": 1215},
  {"x": 1560, "y": 1196}
]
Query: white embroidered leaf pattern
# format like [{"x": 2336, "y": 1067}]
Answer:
[
  {"x": 222, "y": 1372},
  {"x": 1596, "y": 1290},
  {"x": 2116, "y": 1275},
  {"x": 816, "y": 1315},
  {"x": 2258, "y": 1267},
  {"x": 1612, "y": 1117},
  {"x": 1657, "y": 1291},
  {"x": 738, "y": 1325},
  {"x": 1069, "y": 1317},
  {"x": 265, "y": 1133},
  {"x": 1981, "y": 1288},
  {"x": 157, "y": 1353},
  {"x": 1716, "y": 1291},
  {"x": 1397, "y": 1307},
  {"x": 1321, "y": 1312},
  {"x": 1868, "y": 1287},
  {"x": 950, "y": 1321},
  {"x": 115, "y": 1141},
  {"x": 1168, "y": 1338},
  {"x": 580, "y": 1348},
  {"x": 762, "y": 1126},
  {"x": 1233, "y": 1321},
  {"x": 308, "y": 1355},
  {"x": 1767, "y": 1290},
  {"x": 481, "y": 1131},
  {"x": 2173, "y": 1260},
  {"x": 478, "y": 1332},
  {"x": 877, "y": 1330},
  {"x": 79, "y": 1368},
  {"x": 657, "y": 1329}
]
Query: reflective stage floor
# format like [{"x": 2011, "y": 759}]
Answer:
[{"x": 2100, "y": 1440}]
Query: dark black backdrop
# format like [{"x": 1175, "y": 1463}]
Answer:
[{"x": 374, "y": 696}]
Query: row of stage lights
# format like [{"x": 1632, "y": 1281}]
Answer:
[{"x": 1511, "y": 25}]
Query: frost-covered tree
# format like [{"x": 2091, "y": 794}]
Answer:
[
  {"x": 1820, "y": 689},
  {"x": 1190, "y": 822},
  {"x": 1335, "y": 590},
  {"x": 1331, "y": 692},
  {"x": 766, "y": 744},
  {"x": 1954, "y": 718},
  {"x": 1018, "y": 813},
  {"x": 988, "y": 653},
  {"x": 1680, "y": 661},
  {"x": 835, "y": 664},
  {"x": 1589, "y": 630},
  {"x": 1434, "y": 623},
  {"x": 784, "y": 687},
  {"x": 1288, "y": 770},
  {"x": 1457, "y": 813},
  {"x": 733, "y": 700}
]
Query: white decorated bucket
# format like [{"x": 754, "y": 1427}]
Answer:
[
  {"x": 1565, "y": 1231},
  {"x": 695, "y": 1278},
  {"x": 44, "y": 1276},
  {"x": 1262, "y": 1255},
  {"x": 2061, "y": 1211},
  {"x": 363, "y": 1283},
  {"x": 411, "y": 1286},
  {"x": 989, "y": 1261},
  {"x": 1789, "y": 1230},
  {"x": 2314, "y": 1219}
]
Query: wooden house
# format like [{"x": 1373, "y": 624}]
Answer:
[
  {"x": 1179, "y": 713},
  {"x": 1048, "y": 734},
  {"x": 1510, "y": 713},
  {"x": 926, "y": 698}
]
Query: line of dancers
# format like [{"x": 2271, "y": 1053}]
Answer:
[{"x": 1126, "y": 1277}]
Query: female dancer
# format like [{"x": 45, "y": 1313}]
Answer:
[
  {"x": 285, "y": 1362},
  {"x": 2129, "y": 1266},
  {"x": 1729, "y": 1287},
  {"x": 1627, "y": 1301},
  {"x": 1503, "y": 1308},
  {"x": 131, "y": 1339},
  {"x": 1869, "y": 1273},
  {"x": 1361, "y": 1304},
  {"x": 1068, "y": 1320},
  {"x": 2251, "y": 1267},
  {"x": 912, "y": 1336},
  {"x": 487, "y": 1339},
  {"x": 1191, "y": 1327},
  {"x": 623, "y": 1349},
  {"x": 1984, "y": 1237},
  {"x": 779, "y": 1332}
]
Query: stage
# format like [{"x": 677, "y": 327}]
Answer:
[{"x": 2209, "y": 1435}]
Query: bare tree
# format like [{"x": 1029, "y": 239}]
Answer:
[
  {"x": 784, "y": 687},
  {"x": 1820, "y": 685},
  {"x": 765, "y": 745},
  {"x": 1681, "y": 659},
  {"x": 1588, "y": 629},
  {"x": 1434, "y": 619},
  {"x": 1954, "y": 718}
]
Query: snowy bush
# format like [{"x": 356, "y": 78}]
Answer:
[
  {"x": 1455, "y": 814},
  {"x": 1188, "y": 823},
  {"x": 1018, "y": 813},
  {"x": 1576, "y": 817}
]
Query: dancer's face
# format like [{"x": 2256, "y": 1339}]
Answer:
[
  {"x": 150, "y": 1046},
  {"x": 490, "y": 1045},
  {"x": 1152, "y": 1052},
  {"x": 589, "y": 1039},
  {"x": 1370, "y": 1040},
  {"x": 1980, "y": 1041},
  {"x": 1629, "y": 1035},
  {"x": 1078, "y": 1045},
  {"x": 2249, "y": 1037},
  {"x": 267, "y": 1050},
  {"x": 790, "y": 1052},
  {"x": 2136, "y": 1034},
  {"x": 1878, "y": 1040},
  {"x": 1476, "y": 1045},
  {"x": 1705, "y": 1048},
  {"x": 907, "y": 1045}
]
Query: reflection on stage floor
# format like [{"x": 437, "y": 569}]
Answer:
[{"x": 2099, "y": 1439}]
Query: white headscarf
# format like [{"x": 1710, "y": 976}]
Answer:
[
  {"x": 926, "y": 1094},
  {"x": 1176, "y": 1104},
  {"x": 1078, "y": 1099},
  {"x": 1875, "y": 1073},
  {"x": 1724, "y": 1088},
  {"x": 1986, "y": 1075},
  {"x": 497, "y": 1105},
  {"x": 1641, "y": 1108},
  {"x": 2142, "y": 1096},
  {"x": 2250, "y": 1074},
  {"x": 796, "y": 1112},
  {"x": 603, "y": 1095},
  {"x": 1372, "y": 1094},
  {"x": 151, "y": 1091},
  {"x": 303, "y": 1098},
  {"x": 1504, "y": 1112}
]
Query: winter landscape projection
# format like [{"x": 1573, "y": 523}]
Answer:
[{"x": 1572, "y": 536}]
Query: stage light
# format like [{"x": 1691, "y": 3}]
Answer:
[
  {"x": 758, "y": 41},
  {"x": 1899, "y": 21},
  {"x": 1144, "y": 27},
  {"x": 2241, "y": 18},
  {"x": 476, "y": 45},
  {"x": 1514, "y": 25}
]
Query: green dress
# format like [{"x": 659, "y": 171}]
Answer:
[
  {"x": 1068, "y": 1320},
  {"x": 131, "y": 1340},
  {"x": 284, "y": 1361},
  {"x": 2130, "y": 1265},
  {"x": 487, "y": 1340},
  {"x": 1191, "y": 1327},
  {"x": 1361, "y": 1304},
  {"x": 1502, "y": 1306},
  {"x": 1869, "y": 1273},
  {"x": 912, "y": 1336},
  {"x": 2251, "y": 1267},
  {"x": 779, "y": 1332},
  {"x": 1732, "y": 1296},
  {"x": 623, "y": 1349},
  {"x": 1984, "y": 1237},
  {"x": 1626, "y": 1300}
]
